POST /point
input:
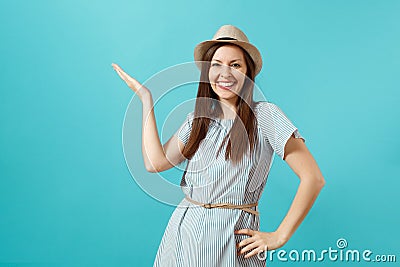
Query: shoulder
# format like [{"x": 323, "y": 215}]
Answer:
[
  {"x": 269, "y": 114},
  {"x": 264, "y": 108},
  {"x": 265, "y": 104},
  {"x": 190, "y": 116},
  {"x": 187, "y": 123}
]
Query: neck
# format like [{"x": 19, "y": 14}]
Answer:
[{"x": 228, "y": 108}]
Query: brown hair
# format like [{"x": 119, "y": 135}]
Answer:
[{"x": 207, "y": 106}]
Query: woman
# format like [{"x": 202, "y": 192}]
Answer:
[{"x": 229, "y": 141}]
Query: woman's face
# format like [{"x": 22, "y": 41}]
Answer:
[{"x": 227, "y": 73}]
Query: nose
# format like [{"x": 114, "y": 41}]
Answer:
[{"x": 225, "y": 71}]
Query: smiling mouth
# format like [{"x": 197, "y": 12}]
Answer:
[{"x": 225, "y": 86}]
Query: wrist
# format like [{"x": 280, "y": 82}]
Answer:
[{"x": 283, "y": 236}]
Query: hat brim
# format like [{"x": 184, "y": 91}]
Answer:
[{"x": 202, "y": 48}]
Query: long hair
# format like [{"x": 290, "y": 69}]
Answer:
[{"x": 242, "y": 135}]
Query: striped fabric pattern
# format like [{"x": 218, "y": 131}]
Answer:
[{"x": 196, "y": 236}]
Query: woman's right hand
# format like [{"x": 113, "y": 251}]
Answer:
[{"x": 139, "y": 89}]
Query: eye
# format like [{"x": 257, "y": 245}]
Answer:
[
  {"x": 236, "y": 65},
  {"x": 214, "y": 64}
]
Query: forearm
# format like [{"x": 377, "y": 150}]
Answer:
[
  {"x": 305, "y": 197},
  {"x": 152, "y": 149}
]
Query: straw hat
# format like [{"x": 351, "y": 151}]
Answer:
[{"x": 229, "y": 34}]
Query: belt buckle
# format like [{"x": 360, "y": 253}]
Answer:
[{"x": 207, "y": 206}]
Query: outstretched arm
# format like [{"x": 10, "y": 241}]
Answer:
[
  {"x": 156, "y": 157},
  {"x": 300, "y": 160}
]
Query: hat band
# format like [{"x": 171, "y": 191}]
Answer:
[{"x": 226, "y": 38}]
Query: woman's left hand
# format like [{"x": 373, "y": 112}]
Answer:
[{"x": 259, "y": 241}]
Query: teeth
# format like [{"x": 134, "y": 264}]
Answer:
[{"x": 226, "y": 84}]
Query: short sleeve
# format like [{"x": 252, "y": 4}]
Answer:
[
  {"x": 183, "y": 132},
  {"x": 276, "y": 127}
]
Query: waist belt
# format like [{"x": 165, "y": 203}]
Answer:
[{"x": 245, "y": 207}]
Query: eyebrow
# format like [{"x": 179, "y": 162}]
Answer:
[{"x": 231, "y": 61}]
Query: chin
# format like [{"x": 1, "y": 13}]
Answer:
[{"x": 224, "y": 97}]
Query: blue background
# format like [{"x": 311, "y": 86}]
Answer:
[{"x": 67, "y": 197}]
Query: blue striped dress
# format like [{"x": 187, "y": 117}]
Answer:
[{"x": 196, "y": 236}]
